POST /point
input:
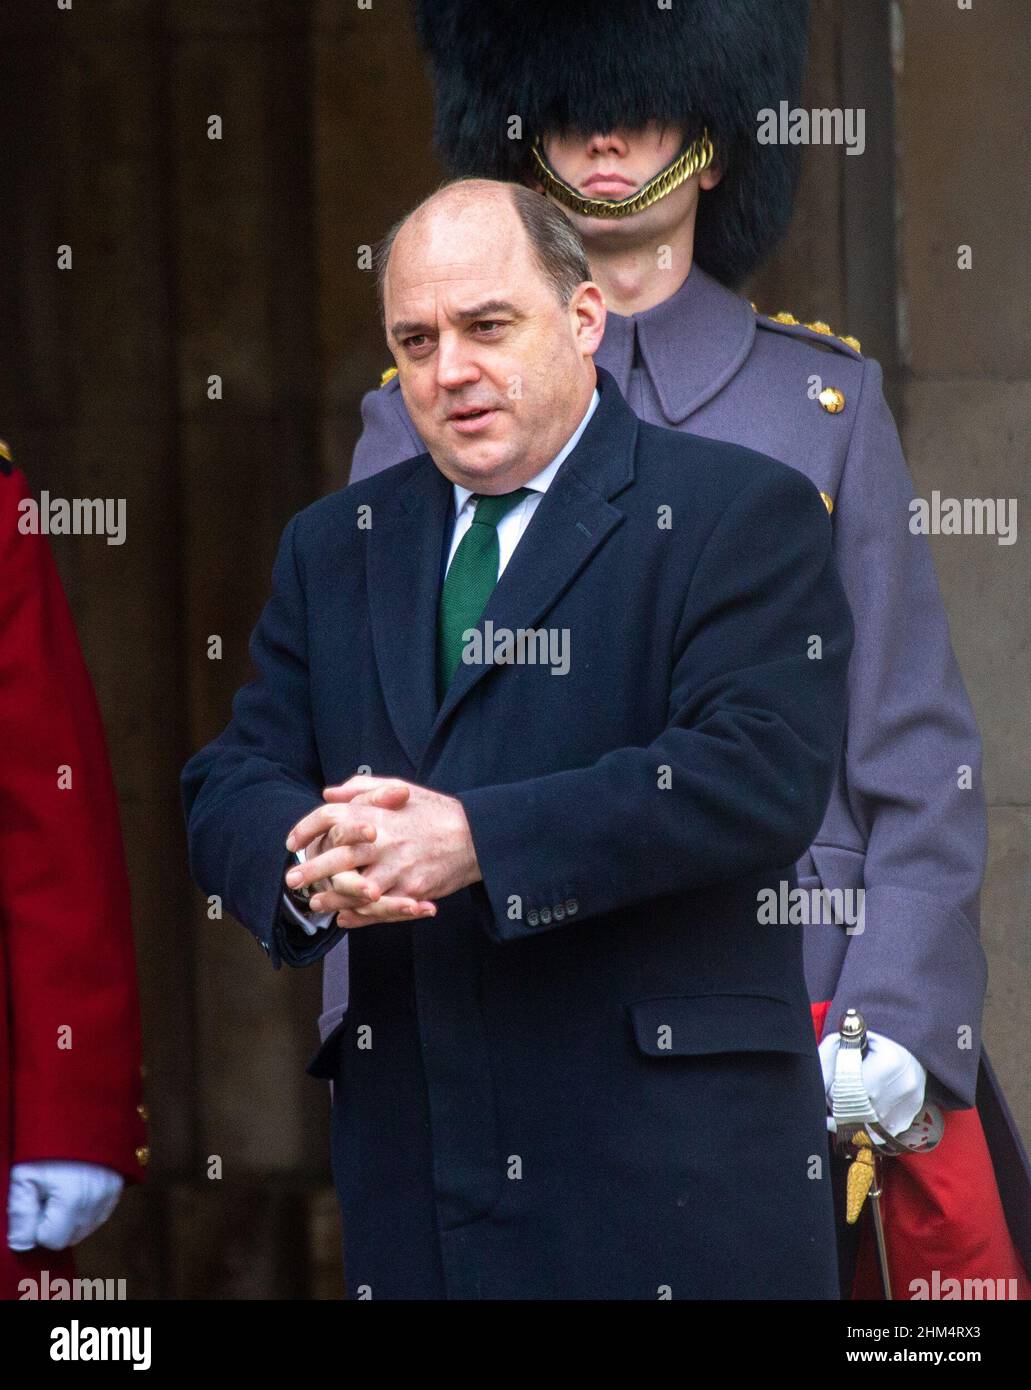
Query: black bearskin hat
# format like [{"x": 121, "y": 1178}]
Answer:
[{"x": 587, "y": 65}]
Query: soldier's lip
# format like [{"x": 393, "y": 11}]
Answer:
[{"x": 606, "y": 183}]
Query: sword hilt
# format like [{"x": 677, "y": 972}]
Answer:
[{"x": 853, "y": 1109}]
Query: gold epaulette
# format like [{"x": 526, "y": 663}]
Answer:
[
  {"x": 824, "y": 329},
  {"x": 388, "y": 375}
]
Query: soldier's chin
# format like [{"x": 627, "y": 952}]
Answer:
[
  {"x": 611, "y": 229},
  {"x": 660, "y": 218}
]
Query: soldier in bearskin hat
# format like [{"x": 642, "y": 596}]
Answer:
[{"x": 640, "y": 121}]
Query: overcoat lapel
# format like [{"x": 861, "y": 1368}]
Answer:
[
  {"x": 403, "y": 579},
  {"x": 571, "y": 522}
]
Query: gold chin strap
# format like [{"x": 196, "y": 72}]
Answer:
[{"x": 696, "y": 157}]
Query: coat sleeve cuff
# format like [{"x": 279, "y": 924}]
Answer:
[
  {"x": 112, "y": 1138},
  {"x": 293, "y": 944},
  {"x": 517, "y": 902},
  {"x": 917, "y": 973}
]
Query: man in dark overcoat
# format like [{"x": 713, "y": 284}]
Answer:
[{"x": 597, "y": 670}]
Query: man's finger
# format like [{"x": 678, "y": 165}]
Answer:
[
  {"x": 325, "y": 818},
  {"x": 353, "y": 884},
  {"x": 333, "y": 901},
  {"x": 387, "y": 910},
  {"x": 392, "y": 787},
  {"x": 338, "y": 860},
  {"x": 348, "y": 889},
  {"x": 391, "y": 797}
]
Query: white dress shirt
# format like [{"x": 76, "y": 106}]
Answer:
[
  {"x": 510, "y": 533},
  {"x": 514, "y": 522}
]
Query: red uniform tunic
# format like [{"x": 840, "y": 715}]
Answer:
[{"x": 67, "y": 968}]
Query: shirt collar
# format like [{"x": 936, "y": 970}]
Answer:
[{"x": 542, "y": 480}]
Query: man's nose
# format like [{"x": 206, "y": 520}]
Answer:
[
  {"x": 607, "y": 142},
  {"x": 456, "y": 362}
]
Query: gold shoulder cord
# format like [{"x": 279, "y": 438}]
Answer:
[{"x": 698, "y": 156}]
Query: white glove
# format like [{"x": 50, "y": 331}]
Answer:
[
  {"x": 56, "y": 1202},
  {"x": 895, "y": 1081}
]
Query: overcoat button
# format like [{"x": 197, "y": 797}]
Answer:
[
  {"x": 572, "y": 907},
  {"x": 533, "y": 918},
  {"x": 832, "y": 400}
]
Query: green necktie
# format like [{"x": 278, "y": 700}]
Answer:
[{"x": 470, "y": 582}]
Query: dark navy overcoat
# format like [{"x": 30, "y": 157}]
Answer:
[{"x": 594, "y": 1073}]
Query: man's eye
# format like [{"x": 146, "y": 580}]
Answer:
[
  {"x": 415, "y": 341},
  {"x": 488, "y": 325}
]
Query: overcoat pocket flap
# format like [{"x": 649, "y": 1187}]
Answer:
[{"x": 696, "y": 1024}]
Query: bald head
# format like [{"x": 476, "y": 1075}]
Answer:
[
  {"x": 493, "y": 323},
  {"x": 555, "y": 244}
]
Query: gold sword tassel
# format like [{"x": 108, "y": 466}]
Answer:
[{"x": 861, "y": 1176}]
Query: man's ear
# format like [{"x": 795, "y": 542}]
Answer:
[
  {"x": 587, "y": 305},
  {"x": 710, "y": 177}
]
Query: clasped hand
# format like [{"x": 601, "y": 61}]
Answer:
[{"x": 383, "y": 850}]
